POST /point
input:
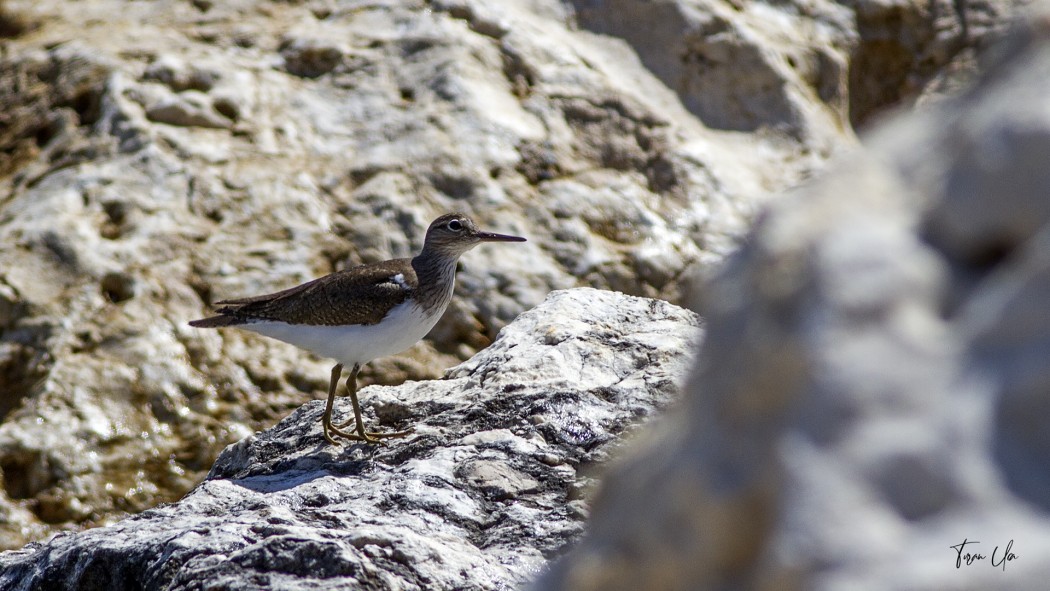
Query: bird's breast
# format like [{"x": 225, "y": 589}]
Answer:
[{"x": 403, "y": 326}]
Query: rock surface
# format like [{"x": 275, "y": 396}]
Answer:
[
  {"x": 874, "y": 387},
  {"x": 157, "y": 156},
  {"x": 493, "y": 482}
]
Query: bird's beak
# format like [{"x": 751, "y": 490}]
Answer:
[{"x": 492, "y": 237}]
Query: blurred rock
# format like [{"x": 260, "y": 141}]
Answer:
[
  {"x": 873, "y": 389},
  {"x": 188, "y": 109},
  {"x": 478, "y": 498},
  {"x": 915, "y": 52},
  {"x": 742, "y": 65},
  {"x": 310, "y": 58}
]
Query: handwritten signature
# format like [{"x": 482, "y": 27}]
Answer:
[{"x": 999, "y": 560}]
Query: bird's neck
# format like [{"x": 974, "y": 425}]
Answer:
[{"x": 436, "y": 277}]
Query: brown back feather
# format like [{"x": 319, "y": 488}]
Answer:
[{"x": 359, "y": 295}]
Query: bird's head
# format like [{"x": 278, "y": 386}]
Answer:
[{"x": 456, "y": 233}]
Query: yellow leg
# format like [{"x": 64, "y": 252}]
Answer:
[
  {"x": 326, "y": 421},
  {"x": 361, "y": 435}
]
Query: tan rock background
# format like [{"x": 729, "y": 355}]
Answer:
[{"x": 157, "y": 156}]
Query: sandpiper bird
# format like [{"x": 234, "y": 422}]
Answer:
[{"x": 364, "y": 312}]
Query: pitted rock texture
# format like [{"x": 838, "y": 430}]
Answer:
[
  {"x": 494, "y": 481},
  {"x": 874, "y": 386}
]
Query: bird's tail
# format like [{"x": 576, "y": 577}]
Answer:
[{"x": 215, "y": 322}]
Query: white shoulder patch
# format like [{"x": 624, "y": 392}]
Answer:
[{"x": 399, "y": 279}]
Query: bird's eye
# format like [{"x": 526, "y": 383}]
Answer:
[{"x": 455, "y": 225}]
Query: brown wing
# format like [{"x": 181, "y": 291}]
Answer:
[{"x": 360, "y": 295}]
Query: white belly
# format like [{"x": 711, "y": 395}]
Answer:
[{"x": 402, "y": 327}]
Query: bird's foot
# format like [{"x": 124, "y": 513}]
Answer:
[
  {"x": 375, "y": 438},
  {"x": 345, "y": 423}
]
